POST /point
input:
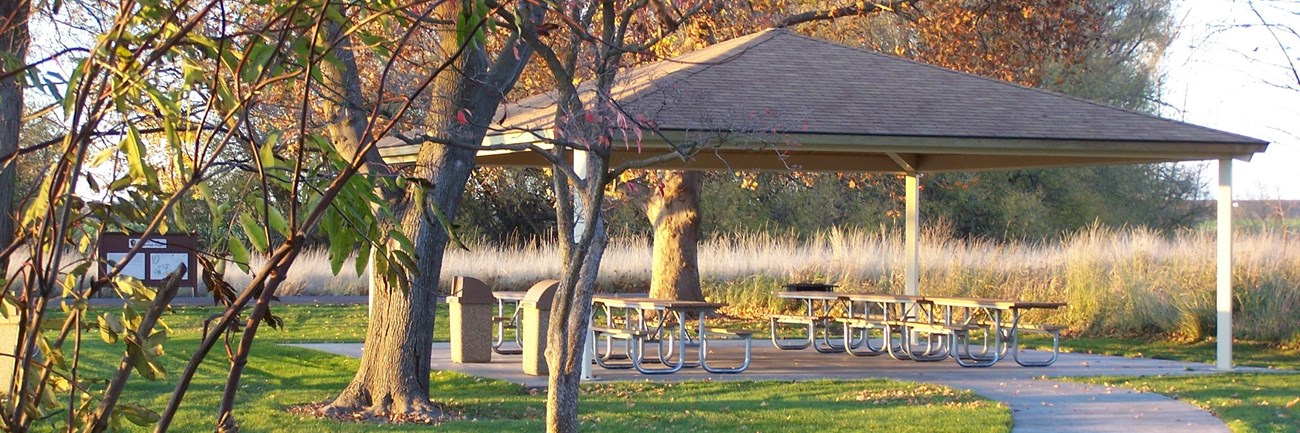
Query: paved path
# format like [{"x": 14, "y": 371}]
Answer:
[{"x": 1038, "y": 404}]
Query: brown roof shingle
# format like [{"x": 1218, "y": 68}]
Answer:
[{"x": 780, "y": 80}]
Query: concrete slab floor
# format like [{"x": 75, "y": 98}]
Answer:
[{"x": 1038, "y": 403}]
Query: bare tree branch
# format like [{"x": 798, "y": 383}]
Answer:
[{"x": 857, "y": 9}]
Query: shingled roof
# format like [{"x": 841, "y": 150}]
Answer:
[{"x": 823, "y": 106}]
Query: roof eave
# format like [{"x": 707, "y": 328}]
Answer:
[{"x": 923, "y": 154}]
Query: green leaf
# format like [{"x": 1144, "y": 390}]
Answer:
[
  {"x": 376, "y": 44},
  {"x": 54, "y": 354},
  {"x": 137, "y": 414},
  {"x": 256, "y": 235},
  {"x": 253, "y": 66},
  {"x": 238, "y": 253},
  {"x": 333, "y": 14},
  {"x": 276, "y": 220},
  {"x": 402, "y": 241},
  {"x": 133, "y": 145},
  {"x": 130, "y": 318},
  {"x": 143, "y": 363},
  {"x": 7, "y": 303},
  {"x": 103, "y": 156},
  {"x": 381, "y": 266},
  {"x": 127, "y": 286},
  {"x": 154, "y": 344},
  {"x": 39, "y": 204},
  {"x": 407, "y": 262},
  {"x": 69, "y": 285},
  {"x": 446, "y": 225},
  {"x": 363, "y": 258},
  {"x": 267, "y": 152},
  {"x": 341, "y": 244},
  {"x": 109, "y": 328}
]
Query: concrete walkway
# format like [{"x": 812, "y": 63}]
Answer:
[{"x": 1038, "y": 404}]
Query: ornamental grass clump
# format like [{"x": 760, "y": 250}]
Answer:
[{"x": 1117, "y": 282}]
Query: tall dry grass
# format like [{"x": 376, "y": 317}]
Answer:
[{"x": 1116, "y": 282}]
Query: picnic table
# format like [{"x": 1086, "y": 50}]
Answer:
[
  {"x": 818, "y": 306},
  {"x": 671, "y": 326},
  {"x": 991, "y": 316},
  {"x": 900, "y": 315},
  {"x": 921, "y": 328},
  {"x": 507, "y": 317}
]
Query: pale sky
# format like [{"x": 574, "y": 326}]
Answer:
[
  {"x": 1226, "y": 76},
  {"x": 1223, "y": 71}
]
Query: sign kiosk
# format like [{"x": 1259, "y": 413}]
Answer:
[{"x": 158, "y": 256}]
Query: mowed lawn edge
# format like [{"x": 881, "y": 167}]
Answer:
[
  {"x": 278, "y": 378},
  {"x": 1247, "y": 402}
]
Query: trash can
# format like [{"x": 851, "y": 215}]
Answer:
[
  {"x": 8, "y": 347},
  {"x": 536, "y": 320},
  {"x": 470, "y": 311}
]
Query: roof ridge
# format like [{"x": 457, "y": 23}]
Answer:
[
  {"x": 693, "y": 68},
  {"x": 686, "y": 67},
  {"x": 1009, "y": 83}
]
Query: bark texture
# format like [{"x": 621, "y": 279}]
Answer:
[
  {"x": 14, "y": 39},
  {"x": 675, "y": 216},
  {"x": 571, "y": 311},
  {"x": 393, "y": 380}
]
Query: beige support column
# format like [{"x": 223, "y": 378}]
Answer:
[
  {"x": 470, "y": 313},
  {"x": 1223, "y": 286},
  {"x": 911, "y": 237},
  {"x": 579, "y": 226},
  {"x": 536, "y": 320},
  {"x": 8, "y": 347}
]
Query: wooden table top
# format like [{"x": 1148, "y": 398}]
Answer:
[
  {"x": 1001, "y": 304},
  {"x": 882, "y": 297},
  {"x": 809, "y": 294},
  {"x": 509, "y": 295}
]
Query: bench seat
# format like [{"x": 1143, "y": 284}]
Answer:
[
  {"x": 623, "y": 333},
  {"x": 739, "y": 333},
  {"x": 798, "y": 319}
]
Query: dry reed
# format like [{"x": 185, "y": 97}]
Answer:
[{"x": 1117, "y": 282}]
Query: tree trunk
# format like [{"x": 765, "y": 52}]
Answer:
[
  {"x": 565, "y": 342},
  {"x": 675, "y": 216},
  {"x": 393, "y": 380},
  {"x": 566, "y": 336},
  {"x": 14, "y": 40},
  {"x": 394, "y": 376}
]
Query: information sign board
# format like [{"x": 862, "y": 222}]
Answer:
[{"x": 157, "y": 257}]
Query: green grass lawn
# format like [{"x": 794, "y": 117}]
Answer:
[
  {"x": 1249, "y": 403},
  {"x": 278, "y": 378},
  {"x": 1244, "y": 353}
]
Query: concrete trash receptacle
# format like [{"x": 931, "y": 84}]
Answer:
[
  {"x": 8, "y": 347},
  {"x": 536, "y": 320},
  {"x": 470, "y": 313}
]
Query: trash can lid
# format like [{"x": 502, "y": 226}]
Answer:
[
  {"x": 469, "y": 290},
  {"x": 541, "y": 294}
]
